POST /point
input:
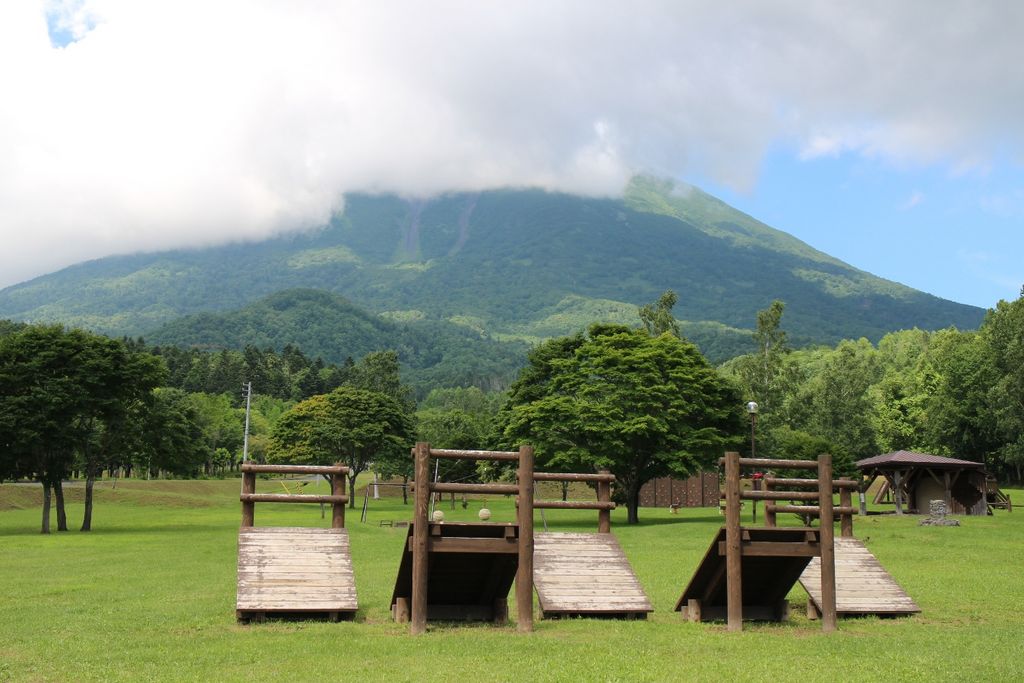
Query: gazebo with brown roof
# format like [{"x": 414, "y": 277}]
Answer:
[{"x": 917, "y": 478}]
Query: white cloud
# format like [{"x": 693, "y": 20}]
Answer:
[{"x": 165, "y": 124}]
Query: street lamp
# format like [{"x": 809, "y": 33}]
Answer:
[{"x": 752, "y": 410}]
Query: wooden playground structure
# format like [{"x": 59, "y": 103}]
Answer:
[
  {"x": 464, "y": 571},
  {"x": 294, "y": 570},
  {"x": 747, "y": 572}
]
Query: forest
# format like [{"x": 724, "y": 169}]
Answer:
[{"x": 78, "y": 404}]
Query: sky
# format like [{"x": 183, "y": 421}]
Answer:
[{"x": 889, "y": 135}]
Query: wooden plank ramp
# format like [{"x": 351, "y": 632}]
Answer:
[
  {"x": 862, "y": 584},
  {"x": 297, "y": 571},
  {"x": 580, "y": 574}
]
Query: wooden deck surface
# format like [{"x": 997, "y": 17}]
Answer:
[
  {"x": 585, "y": 574},
  {"x": 294, "y": 569},
  {"x": 862, "y": 584}
]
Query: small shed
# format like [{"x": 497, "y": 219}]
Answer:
[{"x": 917, "y": 478}]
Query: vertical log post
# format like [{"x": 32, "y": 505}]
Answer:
[
  {"x": 769, "y": 513},
  {"x": 845, "y": 518},
  {"x": 733, "y": 559},
  {"x": 338, "y": 509},
  {"x": 248, "y": 507},
  {"x": 524, "y": 574},
  {"x": 421, "y": 530},
  {"x": 604, "y": 495},
  {"x": 827, "y": 544},
  {"x": 897, "y": 491}
]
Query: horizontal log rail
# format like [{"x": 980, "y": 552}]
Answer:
[
  {"x": 570, "y": 477},
  {"x": 485, "y": 489},
  {"x": 294, "y": 469},
  {"x": 773, "y": 464},
  {"x": 813, "y": 510},
  {"x": 291, "y": 498},
  {"x": 778, "y": 495},
  {"x": 837, "y": 484},
  {"x": 574, "y": 504},
  {"x": 449, "y": 454}
]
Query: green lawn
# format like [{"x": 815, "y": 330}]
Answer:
[{"x": 149, "y": 595}]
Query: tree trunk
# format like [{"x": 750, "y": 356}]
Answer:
[
  {"x": 633, "y": 503},
  {"x": 90, "y": 479},
  {"x": 46, "y": 507},
  {"x": 352, "y": 488},
  {"x": 62, "y": 515},
  {"x": 565, "y": 491},
  {"x": 405, "y": 490}
]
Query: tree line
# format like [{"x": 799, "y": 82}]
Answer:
[{"x": 641, "y": 401}]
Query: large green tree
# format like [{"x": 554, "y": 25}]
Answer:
[
  {"x": 349, "y": 425},
  {"x": 621, "y": 399},
  {"x": 65, "y": 394}
]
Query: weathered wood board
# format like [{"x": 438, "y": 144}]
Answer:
[
  {"x": 766, "y": 577},
  {"x": 467, "y": 582},
  {"x": 294, "y": 570},
  {"x": 862, "y": 584},
  {"x": 579, "y": 574}
]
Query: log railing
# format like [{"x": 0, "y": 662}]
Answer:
[
  {"x": 337, "y": 498},
  {"x": 423, "y": 490},
  {"x": 824, "y": 510},
  {"x": 603, "y": 504}
]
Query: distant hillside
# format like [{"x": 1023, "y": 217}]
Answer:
[
  {"x": 433, "y": 353},
  {"x": 518, "y": 264}
]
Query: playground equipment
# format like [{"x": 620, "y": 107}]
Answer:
[
  {"x": 465, "y": 570},
  {"x": 747, "y": 572},
  {"x": 585, "y": 574},
  {"x": 294, "y": 570}
]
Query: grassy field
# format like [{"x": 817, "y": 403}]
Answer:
[{"x": 149, "y": 595}]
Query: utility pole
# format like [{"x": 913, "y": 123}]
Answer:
[{"x": 247, "y": 388}]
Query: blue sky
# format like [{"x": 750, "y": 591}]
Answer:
[
  {"x": 956, "y": 234},
  {"x": 890, "y": 135}
]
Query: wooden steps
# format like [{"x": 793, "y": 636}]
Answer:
[
  {"x": 294, "y": 571},
  {"x": 577, "y": 574},
  {"x": 862, "y": 584}
]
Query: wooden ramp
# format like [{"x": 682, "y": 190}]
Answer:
[
  {"x": 471, "y": 569},
  {"x": 294, "y": 571},
  {"x": 862, "y": 584},
  {"x": 579, "y": 574},
  {"x": 772, "y": 561}
]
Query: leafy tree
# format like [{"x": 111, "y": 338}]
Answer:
[
  {"x": 641, "y": 406},
  {"x": 1003, "y": 332},
  {"x": 657, "y": 318},
  {"x": 59, "y": 389},
  {"x": 350, "y": 425}
]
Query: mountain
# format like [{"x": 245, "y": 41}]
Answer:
[
  {"x": 433, "y": 353},
  {"x": 516, "y": 264}
]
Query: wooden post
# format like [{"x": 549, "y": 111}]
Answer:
[
  {"x": 421, "y": 530},
  {"x": 769, "y": 514},
  {"x": 524, "y": 574},
  {"x": 337, "y": 509},
  {"x": 845, "y": 518},
  {"x": 733, "y": 558},
  {"x": 827, "y": 544},
  {"x": 604, "y": 495},
  {"x": 248, "y": 507},
  {"x": 897, "y": 491}
]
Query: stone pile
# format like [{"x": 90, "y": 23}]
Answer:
[{"x": 937, "y": 512}]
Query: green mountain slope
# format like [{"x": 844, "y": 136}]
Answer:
[
  {"x": 433, "y": 353},
  {"x": 519, "y": 264}
]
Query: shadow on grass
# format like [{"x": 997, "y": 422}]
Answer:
[{"x": 123, "y": 530}]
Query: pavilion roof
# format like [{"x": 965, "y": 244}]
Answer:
[{"x": 901, "y": 459}]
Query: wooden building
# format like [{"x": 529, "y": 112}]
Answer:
[
  {"x": 700, "y": 490},
  {"x": 915, "y": 479}
]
